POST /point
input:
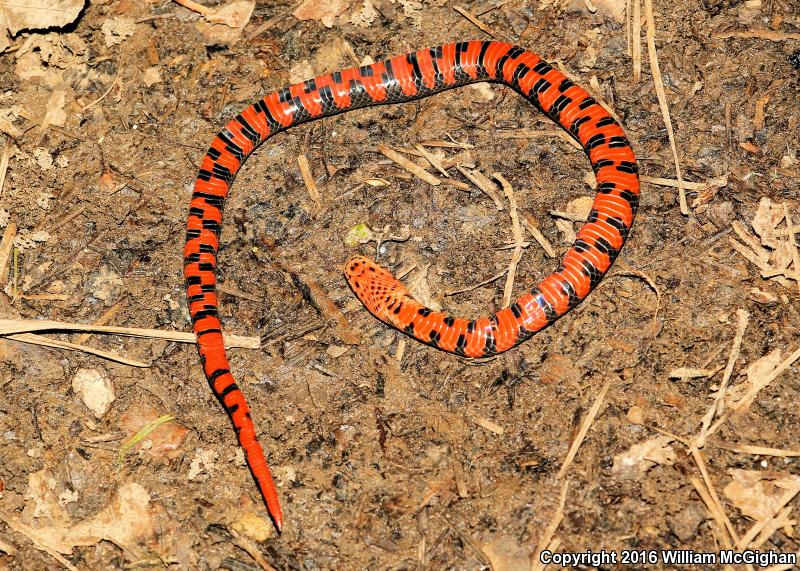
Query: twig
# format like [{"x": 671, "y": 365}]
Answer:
[
  {"x": 534, "y": 231},
  {"x": 716, "y": 407},
  {"x": 587, "y": 423},
  {"x": 480, "y": 25},
  {"x": 411, "y": 167},
  {"x": 476, "y": 286},
  {"x": 480, "y": 180},
  {"x": 771, "y": 35},
  {"x": 662, "y": 99},
  {"x": 435, "y": 163},
  {"x": 726, "y": 523},
  {"x": 719, "y": 518},
  {"x": 34, "y": 339}
]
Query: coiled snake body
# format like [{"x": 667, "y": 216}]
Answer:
[{"x": 400, "y": 79}]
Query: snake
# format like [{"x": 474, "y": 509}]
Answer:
[{"x": 401, "y": 79}]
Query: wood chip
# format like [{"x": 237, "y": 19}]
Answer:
[
  {"x": 489, "y": 425},
  {"x": 411, "y": 167},
  {"x": 308, "y": 178},
  {"x": 6, "y": 245}
]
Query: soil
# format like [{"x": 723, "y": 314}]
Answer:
[{"x": 428, "y": 461}]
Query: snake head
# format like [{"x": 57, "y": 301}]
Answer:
[{"x": 374, "y": 285}]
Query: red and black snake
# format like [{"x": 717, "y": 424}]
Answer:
[{"x": 405, "y": 78}]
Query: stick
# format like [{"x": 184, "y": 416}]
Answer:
[{"x": 662, "y": 99}]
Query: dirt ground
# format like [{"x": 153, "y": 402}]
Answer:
[{"x": 389, "y": 454}]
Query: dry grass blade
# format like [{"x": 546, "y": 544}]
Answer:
[
  {"x": 518, "y": 239},
  {"x": 550, "y": 530},
  {"x": 413, "y": 168},
  {"x": 756, "y": 450},
  {"x": 34, "y": 339},
  {"x": 480, "y": 180},
  {"x": 716, "y": 407},
  {"x": 584, "y": 430},
  {"x": 719, "y": 518},
  {"x": 14, "y": 326},
  {"x": 145, "y": 431},
  {"x": 662, "y": 99},
  {"x": 771, "y": 35},
  {"x": 533, "y": 230},
  {"x": 718, "y": 512}
]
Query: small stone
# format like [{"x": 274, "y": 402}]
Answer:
[
  {"x": 686, "y": 522},
  {"x": 95, "y": 390}
]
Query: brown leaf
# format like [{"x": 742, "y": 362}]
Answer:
[
  {"x": 322, "y": 10},
  {"x": 38, "y": 14}
]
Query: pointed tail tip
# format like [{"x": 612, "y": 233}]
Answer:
[{"x": 278, "y": 519}]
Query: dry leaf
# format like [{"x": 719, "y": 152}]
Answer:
[
  {"x": 152, "y": 75},
  {"x": 116, "y": 30},
  {"x": 165, "y": 440},
  {"x": 322, "y": 10},
  {"x": 639, "y": 458},
  {"x": 364, "y": 16},
  {"x": 225, "y": 24},
  {"x": 254, "y": 526},
  {"x": 505, "y": 554},
  {"x": 758, "y": 494},
  {"x": 580, "y": 207},
  {"x": 613, "y": 8},
  {"x": 127, "y": 521},
  {"x": 55, "y": 109},
  {"x": 37, "y": 14}
]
